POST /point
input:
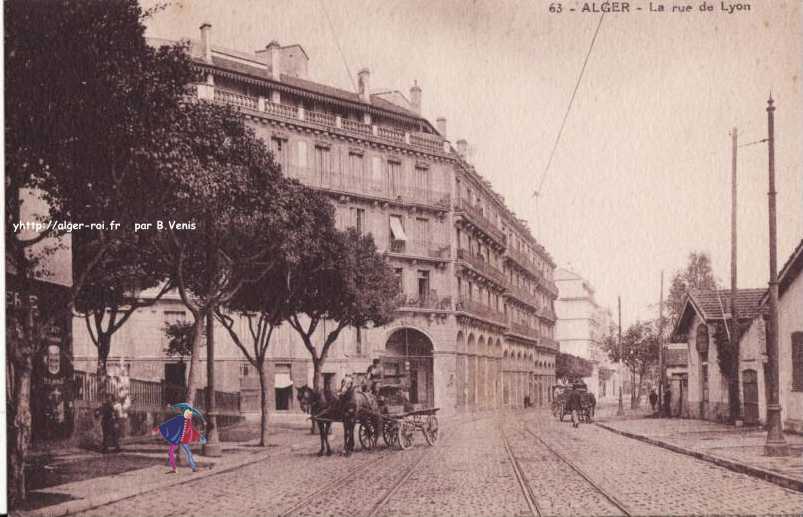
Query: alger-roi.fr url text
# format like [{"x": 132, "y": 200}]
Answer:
[{"x": 68, "y": 226}]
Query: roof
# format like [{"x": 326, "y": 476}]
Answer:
[
  {"x": 789, "y": 272},
  {"x": 709, "y": 304}
]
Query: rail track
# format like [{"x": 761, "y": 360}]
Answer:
[
  {"x": 526, "y": 489},
  {"x": 344, "y": 479}
]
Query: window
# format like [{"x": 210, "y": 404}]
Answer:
[
  {"x": 422, "y": 182},
  {"x": 399, "y": 273},
  {"x": 423, "y": 284},
  {"x": 358, "y": 219},
  {"x": 356, "y": 173},
  {"x": 302, "y": 155},
  {"x": 323, "y": 164},
  {"x": 279, "y": 147},
  {"x": 173, "y": 317},
  {"x": 704, "y": 376},
  {"x": 245, "y": 370},
  {"x": 797, "y": 361},
  {"x": 376, "y": 174},
  {"x": 395, "y": 180},
  {"x": 397, "y": 235},
  {"x": 422, "y": 233}
]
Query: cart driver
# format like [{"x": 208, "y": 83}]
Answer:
[{"x": 375, "y": 375}]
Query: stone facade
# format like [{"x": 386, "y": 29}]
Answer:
[{"x": 475, "y": 327}]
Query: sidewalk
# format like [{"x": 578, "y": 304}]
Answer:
[
  {"x": 71, "y": 480},
  {"x": 740, "y": 449}
]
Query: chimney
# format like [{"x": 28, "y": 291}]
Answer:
[
  {"x": 274, "y": 54},
  {"x": 440, "y": 125},
  {"x": 364, "y": 85},
  {"x": 206, "y": 44},
  {"x": 462, "y": 148},
  {"x": 415, "y": 98}
]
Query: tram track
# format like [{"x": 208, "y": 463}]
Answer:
[
  {"x": 346, "y": 478},
  {"x": 527, "y": 489}
]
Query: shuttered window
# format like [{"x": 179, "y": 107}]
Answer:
[{"x": 797, "y": 361}]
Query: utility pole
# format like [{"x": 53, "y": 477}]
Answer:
[
  {"x": 663, "y": 411},
  {"x": 621, "y": 410},
  {"x": 735, "y": 403},
  {"x": 776, "y": 444}
]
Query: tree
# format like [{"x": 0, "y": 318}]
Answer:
[
  {"x": 639, "y": 351},
  {"x": 110, "y": 295},
  {"x": 698, "y": 274},
  {"x": 344, "y": 280},
  {"x": 77, "y": 142},
  {"x": 263, "y": 304},
  {"x": 228, "y": 202},
  {"x": 571, "y": 368}
]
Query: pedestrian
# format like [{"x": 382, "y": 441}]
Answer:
[
  {"x": 573, "y": 403},
  {"x": 179, "y": 431},
  {"x": 375, "y": 375},
  {"x": 109, "y": 424},
  {"x": 653, "y": 399},
  {"x": 667, "y": 400}
]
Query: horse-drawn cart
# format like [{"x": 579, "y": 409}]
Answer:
[
  {"x": 399, "y": 422},
  {"x": 588, "y": 404}
]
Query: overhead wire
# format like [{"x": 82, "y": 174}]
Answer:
[
  {"x": 569, "y": 107},
  {"x": 337, "y": 44}
]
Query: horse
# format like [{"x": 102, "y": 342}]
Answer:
[
  {"x": 357, "y": 406},
  {"x": 322, "y": 405}
]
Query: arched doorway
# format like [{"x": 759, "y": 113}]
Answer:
[{"x": 408, "y": 359}]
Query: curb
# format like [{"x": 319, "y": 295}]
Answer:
[
  {"x": 742, "y": 468},
  {"x": 81, "y": 505}
]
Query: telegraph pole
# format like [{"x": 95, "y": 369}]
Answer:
[
  {"x": 776, "y": 444},
  {"x": 735, "y": 412},
  {"x": 621, "y": 410},
  {"x": 663, "y": 411}
]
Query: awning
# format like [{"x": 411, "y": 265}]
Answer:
[
  {"x": 282, "y": 380},
  {"x": 396, "y": 229}
]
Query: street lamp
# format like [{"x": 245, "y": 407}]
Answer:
[{"x": 776, "y": 444}]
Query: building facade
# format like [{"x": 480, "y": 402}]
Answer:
[
  {"x": 581, "y": 326},
  {"x": 475, "y": 329},
  {"x": 701, "y": 319}
]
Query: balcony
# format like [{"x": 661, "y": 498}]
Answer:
[
  {"x": 524, "y": 262},
  {"x": 480, "y": 265},
  {"x": 480, "y": 310},
  {"x": 523, "y": 330},
  {"x": 551, "y": 287},
  {"x": 422, "y": 141},
  {"x": 478, "y": 219},
  {"x": 547, "y": 313},
  {"x": 347, "y": 182},
  {"x": 522, "y": 295},
  {"x": 428, "y": 249},
  {"x": 551, "y": 344},
  {"x": 431, "y": 302}
]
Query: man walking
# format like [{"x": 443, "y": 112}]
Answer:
[{"x": 573, "y": 404}]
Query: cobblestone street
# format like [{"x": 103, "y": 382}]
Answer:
[{"x": 519, "y": 464}]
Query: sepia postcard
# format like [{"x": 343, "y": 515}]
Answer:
[{"x": 363, "y": 258}]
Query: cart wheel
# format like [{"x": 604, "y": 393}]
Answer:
[
  {"x": 390, "y": 433},
  {"x": 367, "y": 436},
  {"x": 405, "y": 435},
  {"x": 431, "y": 432}
]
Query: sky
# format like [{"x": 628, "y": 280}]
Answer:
[{"x": 641, "y": 174}]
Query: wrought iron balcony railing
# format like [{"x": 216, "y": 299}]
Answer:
[
  {"x": 479, "y": 309},
  {"x": 523, "y": 330},
  {"x": 479, "y": 263},
  {"x": 478, "y": 219},
  {"x": 431, "y": 301}
]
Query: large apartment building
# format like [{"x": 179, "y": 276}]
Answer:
[{"x": 476, "y": 325}]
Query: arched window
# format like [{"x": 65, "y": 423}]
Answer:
[{"x": 701, "y": 340}]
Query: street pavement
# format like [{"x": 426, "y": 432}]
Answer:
[{"x": 506, "y": 464}]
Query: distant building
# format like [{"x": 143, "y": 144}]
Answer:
[
  {"x": 476, "y": 324},
  {"x": 581, "y": 327}
]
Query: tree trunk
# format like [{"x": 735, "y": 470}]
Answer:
[
  {"x": 21, "y": 432},
  {"x": 263, "y": 392},
  {"x": 317, "y": 376},
  {"x": 104, "y": 345},
  {"x": 633, "y": 404},
  {"x": 195, "y": 359}
]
